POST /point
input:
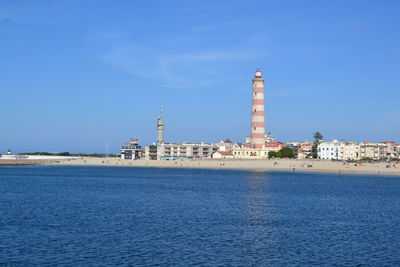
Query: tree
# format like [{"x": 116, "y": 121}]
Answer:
[
  {"x": 317, "y": 139},
  {"x": 271, "y": 154},
  {"x": 286, "y": 152}
]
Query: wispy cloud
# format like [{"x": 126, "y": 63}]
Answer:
[{"x": 175, "y": 70}]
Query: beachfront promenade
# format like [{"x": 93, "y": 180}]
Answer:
[{"x": 255, "y": 165}]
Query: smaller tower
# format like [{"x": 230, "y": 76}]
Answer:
[{"x": 160, "y": 127}]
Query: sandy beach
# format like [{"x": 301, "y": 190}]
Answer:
[{"x": 254, "y": 165}]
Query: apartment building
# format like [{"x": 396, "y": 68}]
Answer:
[
  {"x": 331, "y": 150},
  {"x": 376, "y": 151},
  {"x": 172, "y": 151}
]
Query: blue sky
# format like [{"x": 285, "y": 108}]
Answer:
[{"x": 75, "y": 75}]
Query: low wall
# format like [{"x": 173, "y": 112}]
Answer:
[
  {"x": 21, "y": 162},
  {"x": 35, "y": 157}
]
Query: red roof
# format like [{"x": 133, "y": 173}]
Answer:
[
  {"x": 225, "y": 153},
  {"x": 273, "y": 144}
]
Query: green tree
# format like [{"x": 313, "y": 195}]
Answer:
[
  {"x": 286, "y": 152},
  {"x": 271, "y": 154},
  {"x": 317, "y": 139}
]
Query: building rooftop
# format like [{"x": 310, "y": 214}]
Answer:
[
  {"x": 273, "y": 144},
  {"x": 225, "y": 153}
]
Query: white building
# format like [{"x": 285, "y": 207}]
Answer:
[
  {"x": 351, "y": 151},
  {"x": 247, "y": 152},
  {"x": 302, "y": 155},
  {"x": 226, "y": 145},
  {"x": 331, "y": 150},
  {"x": 336, "y": 150},
  {"x": 171, "y": 151},
  {"x": 222, "y": 155}
]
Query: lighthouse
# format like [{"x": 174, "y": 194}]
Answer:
[{"x": 257, "y": 133}]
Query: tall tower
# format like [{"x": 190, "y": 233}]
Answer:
[
  {"x": 160, "y": 127},
  {"x": 257, "y": 137}
]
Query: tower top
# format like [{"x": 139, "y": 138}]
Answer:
[{"x": 258, "y": 74}]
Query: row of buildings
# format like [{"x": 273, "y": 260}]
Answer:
[
  {"x": 258, "y": 145},
  {"x": 336, "y": 150},
  {"x": 175, "y": 151},
  {"x": 167, "y": 151}
]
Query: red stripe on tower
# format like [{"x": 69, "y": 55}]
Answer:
[
  {"x": 257, "y": 124},
  {"x": 258, "y": 113},
  {"x": 258, "y": 89},
  {"x": 258, "y": 101}
]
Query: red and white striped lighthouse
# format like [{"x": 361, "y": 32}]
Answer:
[{"x": 257, "y": 137}]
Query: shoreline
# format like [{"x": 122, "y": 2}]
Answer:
[
  {"x": 315, "y": 171},
  {"x": 288, "y": 165}
]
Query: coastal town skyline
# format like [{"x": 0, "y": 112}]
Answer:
[
  {"x": 81, "y": 83},
  {"x": 199, "y": 133}
]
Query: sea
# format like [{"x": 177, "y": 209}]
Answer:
[{"x": 106, "y": 216}]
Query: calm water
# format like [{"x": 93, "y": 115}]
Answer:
[{"x": 140, "y": 216}]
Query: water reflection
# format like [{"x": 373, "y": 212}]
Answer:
[
  {"x": 259, "y": 230},
  {"x": 168, "y": 217}
]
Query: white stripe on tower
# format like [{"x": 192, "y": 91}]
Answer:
[{"x": 257, "y": 139}]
